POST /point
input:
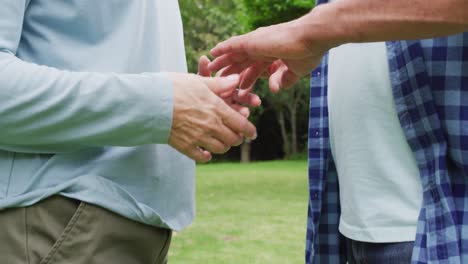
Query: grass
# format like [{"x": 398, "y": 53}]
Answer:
[{"x": 246, "y": 214}]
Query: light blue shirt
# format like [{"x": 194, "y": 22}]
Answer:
[{"x": 86, "y": 110}]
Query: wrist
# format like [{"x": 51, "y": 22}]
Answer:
[{"x": 324, "y": 27}]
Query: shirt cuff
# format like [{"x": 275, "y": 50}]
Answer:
[{"x": 159, "y": 106}]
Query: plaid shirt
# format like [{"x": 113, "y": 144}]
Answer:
[{"x": 430, "y": 89}]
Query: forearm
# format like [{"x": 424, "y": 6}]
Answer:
[
  {"x": 345, "y": 21},
  {"x": 46, "y": 109}
]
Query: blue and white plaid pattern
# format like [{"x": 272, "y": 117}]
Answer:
[{"x": 430, "y": 89}]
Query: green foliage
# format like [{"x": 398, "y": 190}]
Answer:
[
  {"x": 246, "y": 214},
  {"x": 206, "y": 23},
  {"x": 268, "y": 12}
]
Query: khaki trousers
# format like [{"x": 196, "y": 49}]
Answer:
[{"x": 61, "y": 230}]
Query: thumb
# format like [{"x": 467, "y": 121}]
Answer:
[{"x": 223, "y": 85}]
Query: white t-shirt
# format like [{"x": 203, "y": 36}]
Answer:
[{"x": 380, "y": 186}]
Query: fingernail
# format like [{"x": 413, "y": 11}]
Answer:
[{"x": 254, "y": 136}]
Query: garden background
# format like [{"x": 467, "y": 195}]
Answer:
[{"x": 254, "y": 211}]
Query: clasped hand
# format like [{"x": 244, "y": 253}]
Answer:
[{"x": 209, "y": 117}]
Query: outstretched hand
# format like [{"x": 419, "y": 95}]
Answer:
[{"x": 280, "y": 52}]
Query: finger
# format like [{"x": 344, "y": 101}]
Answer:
[
  {"x": 276, "y": 70},
  {"x": 234, "y": 43},
  {"x": 213, "y": 145},
  {"x": 243, "y": 93},
  {"x": 251, "y": 75},
  {"x": 236, "y": 122},
  {"x": 226, "y": 60},
  {"x": 288, "y": 79},
  {"x": 203, "y": 66},
  {"x": 282, "y": 78},
  {"x": 275, "y": 66},
  {"x": 235, "y": 68},
  {"x": 244, "y": 111},
  {"x": 223, "y": 85},
  {"x": 227, "y": 136},
  {"x": 251, "y": 99},
  {"x": 199, "y": 155},
  {"x": 228, "y": 94},
  {"x": 275, "y": 79}
]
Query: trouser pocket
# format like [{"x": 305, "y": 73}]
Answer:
[
  {"x": 61, "y": 230},
  {"x": 67, "y": 234},
  {"x": 95, "y": 235},
  {"x": 27, "y": 234}
]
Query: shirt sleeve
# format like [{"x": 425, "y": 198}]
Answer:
[{"x": 43, "y": 109}]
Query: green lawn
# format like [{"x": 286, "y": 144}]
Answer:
[{"x": 246, "y": 214}]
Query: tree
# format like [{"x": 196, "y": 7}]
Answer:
[
  {"x": 207, "y": 22},
  {"x": 287, "y": 104},
  {"x": 268, "y": 12}
]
